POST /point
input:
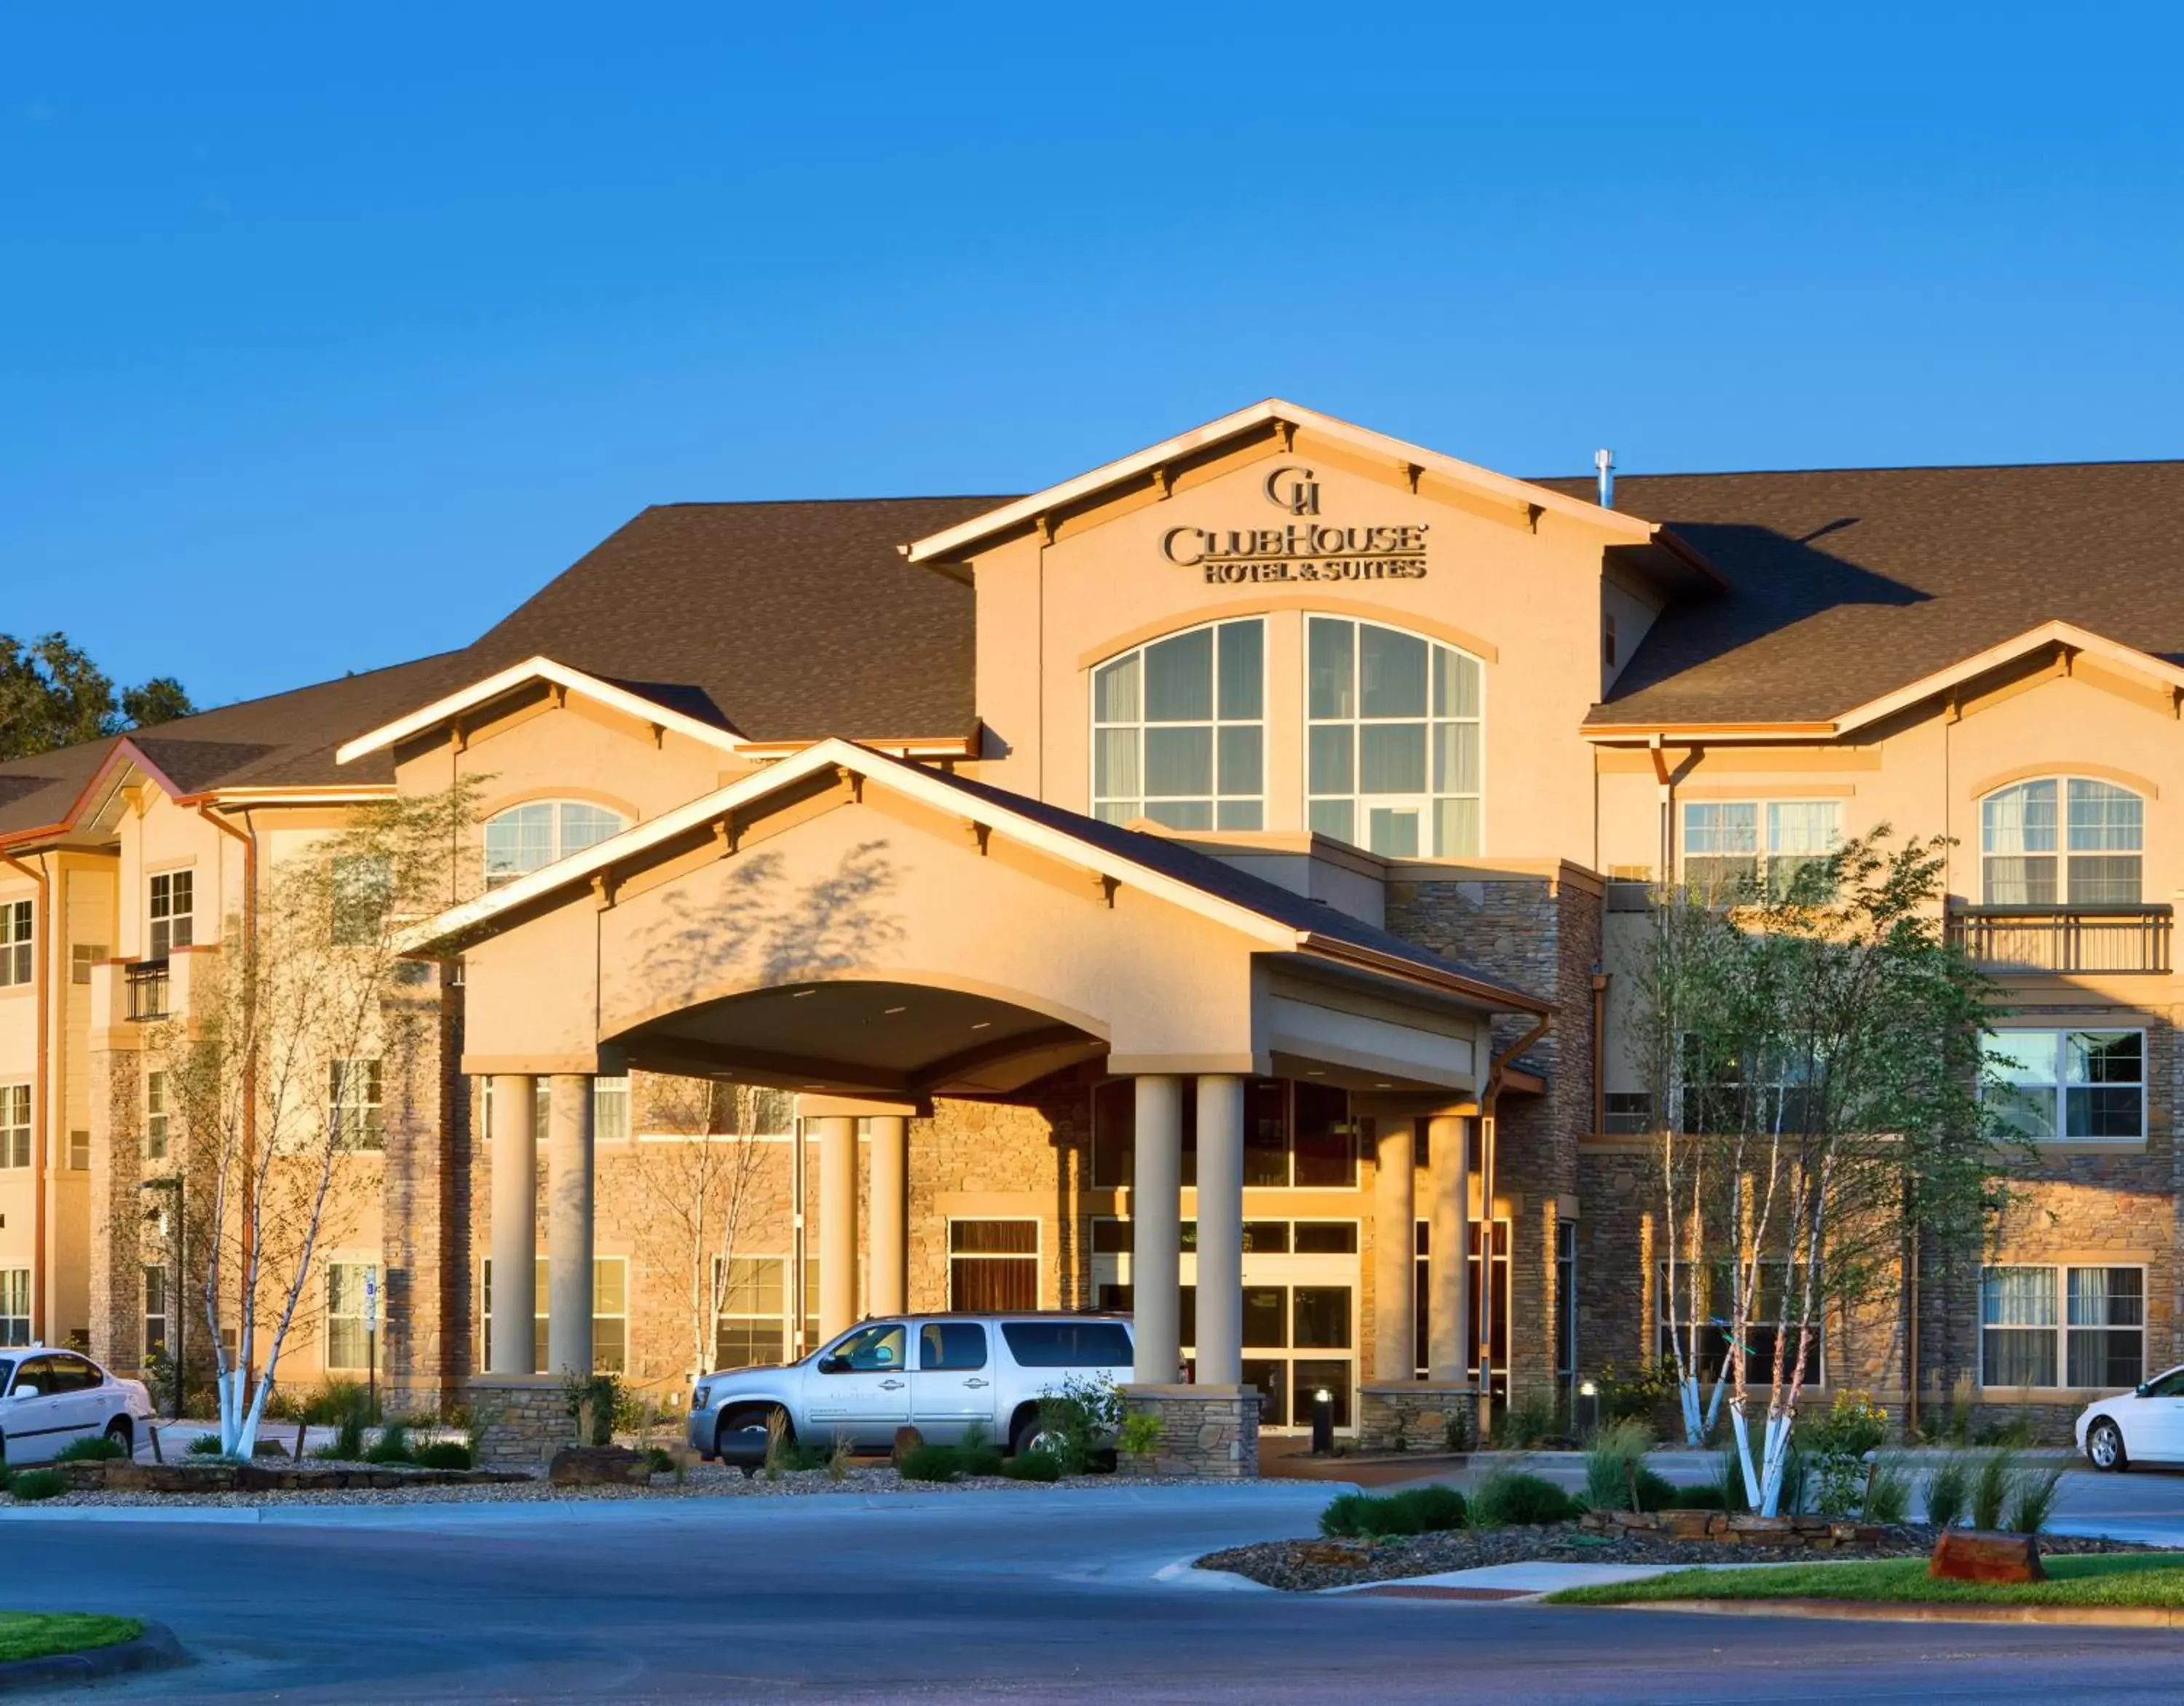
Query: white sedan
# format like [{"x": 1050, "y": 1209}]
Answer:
[
  {"x": 54, "y": 1398},
  {"x": 2142, "y": 1427}
]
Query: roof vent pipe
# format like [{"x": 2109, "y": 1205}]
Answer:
[{"x": 1604, "y": 461}]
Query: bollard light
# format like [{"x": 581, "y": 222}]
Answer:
[
  {"x": 1322, "y": 1422},
  {"x": 1588, "y": 1410}
]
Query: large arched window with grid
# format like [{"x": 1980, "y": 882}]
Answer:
[
  {"x": 525, "y": 837},
  {"x": 2062, "y": 841},
  {"x": 1179, "y": 730},
  {"x": 1394, "y": 732}
]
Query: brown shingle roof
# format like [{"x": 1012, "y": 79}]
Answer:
[{"x": 1847, "y": 584}]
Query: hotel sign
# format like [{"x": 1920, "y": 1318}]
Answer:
[{"x": 1301, "y": 549}]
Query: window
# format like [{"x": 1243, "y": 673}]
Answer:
[
  {"x": 353, "y": 1104},
  {"x": 1771, "y": 1314},
  {"x": 1720, "y": 1092},
  {"x": 14, "y": 1306},
  {"x": 2103, "y": 835},
  {"x": 992, "y": 1265},
  {"x": 1068, "y": 1344},
  {"x": 1747, "y": 845},
  {"x": 1422, "y": 1295},
  {"x": 524, "y": 838},
  {"x": 1627, "y": 1111},
  {"x": 1178, "y": 731},
  {"x": 14, "y": 1124},
  {"x": 172, "y": 911},
  {"x": 363, "y": 891},
  {"x": 874, "y": 1350},
  {"x": 1393, "y": 761},
  {"x": 156, "y": 1115},
  {"x": 610, "y": 1312},
  {"x": 754, "y": 1314},
  {"x": 351, "y": 1288},
  {"x": 1566, "y": 1298},
  {"x": 16, "y": 949},
  {"x": 1607, "y": 640},
  {"x": 2061, "y": 1085},
  {"x": 610, "y": 1107},
  {"x": 950, "y": 1347},
  {"x": 79, "y": 1154},
  {"x": 2089, "y": 1323},
  {"x": 82, "y": 956},
  {"x": 155, "y": 1307},
  {"x": 1296, "y": 1133}
]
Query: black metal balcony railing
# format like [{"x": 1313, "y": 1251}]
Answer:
[
  {"x": 148, "y": 988},
  {"x": 2022, "y": 939}
]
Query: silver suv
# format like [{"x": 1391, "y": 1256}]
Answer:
[{"x": 939, "y": 1373}]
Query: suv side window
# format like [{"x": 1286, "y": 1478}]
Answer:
[
  {"x": 1068, "y": 1344},
  {"x": 950, "y": 1347},
  {"x": 875, "y": 1349}
]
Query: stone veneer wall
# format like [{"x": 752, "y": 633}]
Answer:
[
  {"x": 1541, "y": 933},
  {"x": 1416, "y": 1417},
  {"x": 427, "y": 1338},
  {"x": 519, "y": 1421},
  {"x": 117, "y": 1209},
  {"x": 1209, "y": 1432}
]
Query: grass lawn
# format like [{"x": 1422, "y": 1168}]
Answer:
[
  {"x": 41, "y": 1634},
  {"x": 2100, "y": 1579}
]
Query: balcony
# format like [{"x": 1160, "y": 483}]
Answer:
[
  {"x": 150, "y": 990},
  {"x": 2066, "y": 940}
]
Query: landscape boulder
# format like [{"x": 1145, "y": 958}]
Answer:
[
  {"x": 1965, "y": 1554},
  {"x": 907, "y": 1441},
  {"x": 599, "y": 1465}
]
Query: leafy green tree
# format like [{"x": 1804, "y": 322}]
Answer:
[{"x": 53, "y": 695}]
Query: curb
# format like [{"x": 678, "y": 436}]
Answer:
[
  {"x": 1881, "y": 1611},
  {"x": 155, "y": 1649}
]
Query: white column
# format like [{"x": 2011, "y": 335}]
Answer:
[
  {"x": 838, "y": 1224},
  {"x": 569, "y": 1210},
  {"x": 1394, "y": 1255},
  {"x": 1220, "y": 1231},
  {"x": 515, "y": 1142},
  {"x": 1448, "y": 1268},
  {"x": 1156, "y": 1231},
  {"x": 889, "y": 1284}
]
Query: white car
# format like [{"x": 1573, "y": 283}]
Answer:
[
  {"x": 54, "y": 1398},
  {"x": 2142, "y": 1427}
]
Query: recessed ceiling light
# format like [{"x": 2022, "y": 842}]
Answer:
[
  {"x": 1317, "y": 1072},
  {"x": 895, "y": 1009},
  {"x": 1384, "y": 1087},
  {"x": 983, "y": 1024},
  {"x": 799, "y": 995}
]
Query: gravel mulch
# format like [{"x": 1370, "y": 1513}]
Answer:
[
  {"x": 1304, "y": 1566},
  {"x": 701, "y": 1480}
]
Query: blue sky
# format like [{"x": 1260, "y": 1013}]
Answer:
[{"x": 328, "y": 332}]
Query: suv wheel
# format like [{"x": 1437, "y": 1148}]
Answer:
[
  {"x": 739, "y": 1439},
  {"x": 1029, "y": 1435}
]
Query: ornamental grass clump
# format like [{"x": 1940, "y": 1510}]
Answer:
[
  {"x": 2032, "y": 1499},
  {"x": 929, "y": 1463},
  {"x": 393, "y": 1445},
  {"x": 1991, "y": 1484},
  {"x": 1612, "y": 1464},
  {"x": 1948, "y": 1489},
  {"x": 1888, "y": 1491},
  {"x": 98, "y": 1448},
  {"x": 976, "y": 1454},
  {"x": 446, "y": 1453},
  {"x": 205, "y": 1445}
]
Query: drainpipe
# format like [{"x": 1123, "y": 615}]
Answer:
[
  {"x": 41, "y": 1081},
  {"x": 1489, "y": 1143}
]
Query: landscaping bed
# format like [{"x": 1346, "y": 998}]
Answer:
[
  {"x": 1306, "y": 1566},
  {"x": 2076, "y": 1577}
]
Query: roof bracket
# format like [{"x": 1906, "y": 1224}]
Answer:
[
  {"x": 1106, "y": 886},
  {"x": 1410, "y": 471},
  {"x": 1164, "y": 480},
  {"x": 659, "y": 734},
  {"x": 728, "y": 835},
  {"x": 855, "y": 781},
  {"x": 603, "y": 886},
  {"x": 1043, "y": 524},
  {"x": 1287, "y": 429},
  {"x": 460, "y": 734},
  {"x": 558, "y": 692},
  {"x": 982, "y": 834},
  {"x": 1533, "y": 512}
]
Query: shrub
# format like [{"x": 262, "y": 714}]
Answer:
[
  {"x": 99, "y": 1448},
  {"x": 1611, "y": 1462},
  {"x": 978, "y": 1454},
  {"x": 205, "y": 1445},
  {"x": 1626, "y": 1397},
  {"x": 393, "y": 1445},
  {"x": 1456, "y": 1432},
  {"x": 2014, "y": 1435},
  {"x": 284, "y": 1406},
  {"x": 1524, "y": 1423},
  {"x": 1033, "y": 1466},
  {"x": 2032, "y": 1499},
  {"x": 1507, "y": 1496},
  {"x": 37, "y": 1483},
  {"x": 1704, "y": 1495},
  {"x": 447, "y": 1453},
  {"x": 1990, "y": 1487},
  {"x": 929, "y": 1463},
  {"x": 1948, "y": 1489},
  {"x": 335, "y": 1401},
  {"x": 1853, "y": 1425},
  {"x": 1140, "y": 1435},
  {"x": 1729, "y": 1481},
  {"x": 1415, "y": 1510},
  {"x": 658, "y": 1460},
  {"x": 1081, "y": 1419},
  {"x": 1888, "y": 1491},
  {"x": 838, "y": 1459},
  {"x": 1658, "y": 1492},
  {"x": 593, "y": 1400}
]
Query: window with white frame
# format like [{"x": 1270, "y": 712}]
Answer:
[
  {"x": 347, "y": 1283},
  {"x": 1773, "y": 1313},
  {"x": 17, "y": 951},
  {"x": 2087, "y": 1325},
  {"x": 363, "y": 889},
  {"x": 79, "y": 1151},
  {"x": 156, "y": 1116},
  {"x": 14, "y": 1124},
  {"x": 353, "y": 1104},
  {"x": 1756, "y": 845},
  {"x": 610, "y": 1107},
  {"x": 2056, "y": 1086},
  {"x": 610, "y": 1312},
  {"x": 1393, "y": 740},
  {"x": 2062, "y": 840},
  {"x": 171, "y": 911},
  {"x": 155, "y": 1307},
  {"x": 82, "y": 956},
  {"x": 992, "y": 1265},
  {"x": 1178, "y": 731},
  {"x": 14, "y": 1306},
  {"x": 526, "y": 837},
  {"x": 753, "y": 1325}
]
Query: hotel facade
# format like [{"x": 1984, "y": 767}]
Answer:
[{"x": 1209, "y": 886}]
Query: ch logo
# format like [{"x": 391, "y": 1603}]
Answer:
[{"x": 1293, "y": 489}]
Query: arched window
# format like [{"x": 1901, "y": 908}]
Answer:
[
  {"x": 2062, "y": 841},
  {"x": 1393, "y": 759},
  {"x": 522, "y": 838},
  {"x": 1178, "y": 731}
]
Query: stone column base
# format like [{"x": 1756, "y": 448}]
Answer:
[
  {"x": 518, "y": 1421},
  {"x": 1418, "y": 1415},
  {"x": 1205, "y": 1431}
]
